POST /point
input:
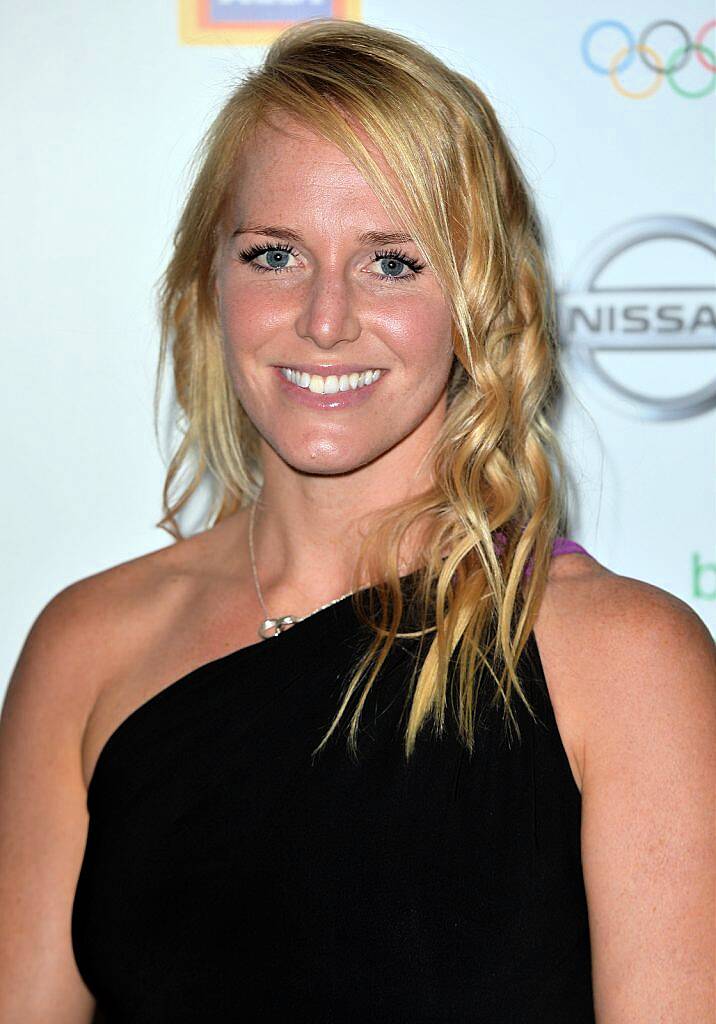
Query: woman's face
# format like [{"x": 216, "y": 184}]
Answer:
[{"x": 304, "y": 286}]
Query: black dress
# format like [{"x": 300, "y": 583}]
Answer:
[{"x": 227, "y": 876}]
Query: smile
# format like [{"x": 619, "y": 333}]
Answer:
[{"x": 331, "y": 384}]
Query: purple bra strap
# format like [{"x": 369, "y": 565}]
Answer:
[
  {"x": 565, "y": 546},
  {"x": 561, "y": 546}
]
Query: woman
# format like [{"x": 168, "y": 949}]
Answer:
[{"x": 362, "y": 749}]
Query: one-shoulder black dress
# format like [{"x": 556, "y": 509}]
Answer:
[{"x": 230, "y": 877}]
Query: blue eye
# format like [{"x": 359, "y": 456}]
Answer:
[
  {"x": 391, "y": 257},
  {"x": 275, "y": 265}
]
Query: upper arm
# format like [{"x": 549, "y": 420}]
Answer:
[
  {"x": 43, "y": 816},
  {"x": 648, "y": 809}
]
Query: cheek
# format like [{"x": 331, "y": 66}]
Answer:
[
  {"x": 421, "y": 339},
  {"x": 246, "y": 316},
  {"x": 247, "y": 322}
]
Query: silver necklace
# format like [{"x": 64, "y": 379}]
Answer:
[{"x": 273, "y": 627}]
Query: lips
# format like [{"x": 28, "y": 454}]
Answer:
[{"x": 312, "y": 398}]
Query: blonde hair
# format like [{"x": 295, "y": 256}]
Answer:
[{"x": 470, "y": 212}]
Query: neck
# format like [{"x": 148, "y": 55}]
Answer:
[{"x": 307, "y": 534}]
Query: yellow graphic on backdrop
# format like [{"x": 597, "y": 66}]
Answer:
[{"x": 253, "y": 22}]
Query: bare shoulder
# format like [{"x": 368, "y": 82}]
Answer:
[
  {"x": 633, "y": 671},
  {"x": 615, "y": 625},
  {"x": 609, "y": 642},
  {"x": 602, "y": 597},
  {"x": 80, "y": 629},
  {"x": 84, "y": 635}
]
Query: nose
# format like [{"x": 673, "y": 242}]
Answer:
[{"x": 328, "y": 315}]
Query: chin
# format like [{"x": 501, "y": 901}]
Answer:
[{"x": 324, "y": 457}]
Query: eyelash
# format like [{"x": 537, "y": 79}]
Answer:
[{"x": 250, "y": 254}]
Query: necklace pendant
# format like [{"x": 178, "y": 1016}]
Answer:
[{"x": 272, "y": 627}]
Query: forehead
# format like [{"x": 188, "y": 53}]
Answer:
[{"x": 287, "y": 163}]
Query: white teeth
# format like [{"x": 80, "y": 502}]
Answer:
[{"x": 332, "y": 384}]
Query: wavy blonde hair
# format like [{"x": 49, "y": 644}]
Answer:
[{"x": 497, "y": 497}]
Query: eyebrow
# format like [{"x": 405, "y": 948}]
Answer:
[{"x": 365, "y": 237}]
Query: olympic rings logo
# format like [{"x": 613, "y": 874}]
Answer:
[{"x": 624, "y": 57}]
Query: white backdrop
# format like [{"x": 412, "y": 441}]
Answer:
[{"x": 102, "y": 107}]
